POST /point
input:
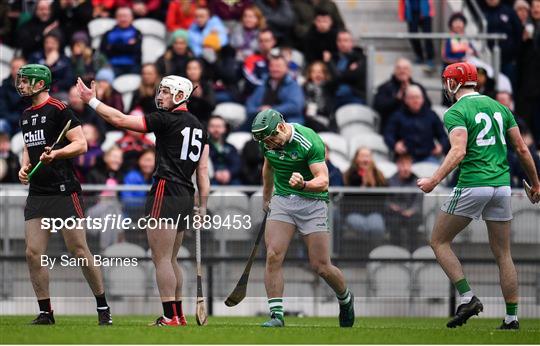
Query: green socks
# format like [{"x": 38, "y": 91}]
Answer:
[
  {"x": 276, "y": 307},
  {"x": 344, "y": 298},
  {"x": 464, "y": 290},
  {"x": 511, "y": 312}
]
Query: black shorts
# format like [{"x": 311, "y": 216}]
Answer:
[
  {"x": 57, "y": 206},
  {"x": 170, "y": 200}
]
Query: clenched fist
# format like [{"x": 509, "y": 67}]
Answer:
[{"x": 296, "y": 181}]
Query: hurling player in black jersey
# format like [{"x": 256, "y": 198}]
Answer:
[
  {"x": 54, "y": 190},
  {"x": 181, "y": 150}
]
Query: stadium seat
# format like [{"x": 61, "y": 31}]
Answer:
[
  {"x": 152, "y": 49},
  {"x": 389, "y": 279},
  {"x": 149, "y": 26},
  {"x": 5, "y": 70},
  {"x": 335, "y": 143},
  {"x": 232, "y": 204},
  {"x": 373, "y": 141},
  {"x": 110, "y": 138},
  {"x": 233, "y": 113},
  {"x": 125, "y": 281},
  {"x": 439, "y": 109},
  {"x": 127, "y": 83},
  {"x": 6, "y": 54},
  {"x": 298, "y": 58},
  {"x": 17, "y": 143},
  {"x": 430, "y": 281},
  {"x": 387, "y": 168},
  {"x": 356, "y": 129},
  {"x": 99, "y": 26},
  {"x": 340, "y": 161},
  {"x": 151, "y": 137},
  {"x": 424, "y": 169},
  {"x": 127, "y": 97},
  {"x": 239, "y": 139},
  {"x": 356, "y": 113}
]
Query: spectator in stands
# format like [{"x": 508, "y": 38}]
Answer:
[
  {"x": 501, "y": 18},
  {"x": 53, "y": 57},
  {"x": 415, "y": 128},
  {"x": 522, "y": 9},
  {"x": 103, "y": 8},
  {"x": 180, "y": 14},
  {"x": 224, "y": 157},
  {"x": 485, "y": 84},
  {"x": 319, "y": 95},
  {"x": 279, "y": 92},
  {"x": 255, "y": 68},
  {"x": 175, "y": 59},
  {"x": 517, "y": 174},
  {"x": 364, "y": 218},
  {"x": 348, "y": 70},
  {"x": 207, "y": 33},
  {"x": 11, "y": 103},
  {"x": 404, "y": 210},
  {"x": 31, "y": 34},
  {"x": 106, "y": 93},
  {"x": 506, "y": 99},
  {"x": 72, "y": 16},
  {"x": 419, "y": 14},
  {"x": 305, "y": 10},
  {"x": 456, "y": 49},
  {"x": 229, "y": 11},
  {"x": 202, "y": 100},
  {"x": 107, "y": 171},
  {"x": 320, "y": 41},
  {"x": 143, "y": 98},
  {"x": 335, "y": 178},
  {"x": 389, "y": 97},
  {"x": 133, "y": 144},
  {"x": 86, "y": 162},
  {"x": 279, "y": 17},
  {"x": 244, "y": 34},
  {"x": 85, "y": 113},
  {"x": 133, "y": 201},
  {"x": 143, "y": 8},
  {"x": 8, "y": 159},
  {"x": 85, "y": 62},
  {"x": 252, "y": 162},
  {"x": 122, "y": 45}
]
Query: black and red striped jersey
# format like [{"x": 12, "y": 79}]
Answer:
[{"x": 41, "y": 126}]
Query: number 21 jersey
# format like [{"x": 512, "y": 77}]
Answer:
[{"x": 486, "y": 122}]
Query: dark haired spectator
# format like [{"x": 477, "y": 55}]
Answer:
[
  {"x": 31, "y": 34},
  {"x": 143, "y": 97},
  {"x": 180, "y": 14},
  {"x": 305, "y": 10},
  {"x": 335, "y": 178},
  {"x": 318, "y": 93},
  {"x": 279, "y": 18},
  {"x": 10, "y": 12},
  {"x": 85, "y": 61},
  {"x": 107, "y": 171},
  {"x": 85, "y": 113},
  {"x": 106, "y": 93},
  {"x": 72, "y": 16},
  {"x": 348, "y": 70},
  {"x": 224, "y": 157},
  {"x": 53, "y": 57},
  {"x": 11, "y": 103},
  {"x": 175, "y": 59},
  {"x": 229, "y": 10},
  {"x": 279, "y": 92},
  {"x": 86, "y": 162},
  {"x": 485, "y": 84},
  {"x": 256, "y": 65},
  {"x": 142, "y": 8},
  {"x": 320, "y": 41},
  {"x": 389, "y": 97},
  {"x": 133, "y": 201},
  {"x": 207, "y": 33},
  {"x": 414, "y": 128},
  {"x": 252, "y": 162},
  {"x": 456, "y": 49},
  {"x": 244, "y": 35},
  {"x": 224, "y": 73},
  {"x": 202, "y": 101},
  {"x": 133, "y": 144},
  {"x": 12, "y": 166},
  {"x": 122, "y": 45},
  {"x": 418, "y": 14}
]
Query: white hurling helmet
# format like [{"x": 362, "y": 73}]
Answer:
[{"x": 176, "y": 84}]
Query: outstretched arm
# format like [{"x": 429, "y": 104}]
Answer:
[{"x": 109, "y": 114}]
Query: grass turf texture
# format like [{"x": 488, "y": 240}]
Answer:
[{"x": 246, "y": 330}]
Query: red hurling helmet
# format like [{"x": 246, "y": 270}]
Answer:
[{"x": 463, "y": 73}]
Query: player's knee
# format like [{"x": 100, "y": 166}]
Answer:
[
  {"x": 435, "y": 243},
  {"x": 78, "y": 251},
  {"x": 273, "y": 257},
  {"x": 322, "y": 268},
  {"x": 32, "y": 254}
]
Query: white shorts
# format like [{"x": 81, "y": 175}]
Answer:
[
  {"x": 492, "y": 203},
  {"x": 307, "y": 214}
]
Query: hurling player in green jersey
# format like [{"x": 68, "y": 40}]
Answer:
[
  {"x": 478, "y": 129},
  {"x": 295, "y": 193}
]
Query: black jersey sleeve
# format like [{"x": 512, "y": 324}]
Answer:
[
  {"x": 154, "y": 122},
  {"x": 67, "y": 114}
]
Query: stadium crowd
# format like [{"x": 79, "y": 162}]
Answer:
[{"x": 294, "y": 56}]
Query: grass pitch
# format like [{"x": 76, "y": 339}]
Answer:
[{"x": 246, "y": 330}]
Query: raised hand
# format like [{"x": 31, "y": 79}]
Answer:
[{"x": 85, "y": 93}]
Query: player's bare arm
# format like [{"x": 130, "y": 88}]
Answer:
[
  {"x": 268, "y": 184},
  {"x": 109, "y": 114},
  {"x": 76, "y": 147},
  {"x": 526, "y": 160},
  {"x": 458, "y": 142},
  {"x": 203, "y": 181},
  {"x": 26, "y": 166},
  {"x": 319, "y": 183}
]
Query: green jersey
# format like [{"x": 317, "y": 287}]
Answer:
[
  {"x": 304, "y": 148},
  {"x": 486, "y": 122}
]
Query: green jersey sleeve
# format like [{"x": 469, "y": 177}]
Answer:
[
  {"x": 316, "y": 152},
  {"x": 453, "y": 119}
]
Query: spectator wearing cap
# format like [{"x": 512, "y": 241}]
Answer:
[
  {"x": 180, "y": 15},
  {"x": 31, "y": 35},
  {"x": 175, "y": 59},
  {"x": 418, "y": 14},
  {"x": 85, "y": 62},
  {"x": 224, "y": 157},
  {"x": 106, "y": 93},
  {"x": 10, "y": 172},
  {"x": 523, "y": 9},
  {"x": 207, "y": 32},
  {"x": 280, "y": 92},
  {"x": 144, "y": 96},
  {"x": 72, "y": 16},
  {"x": 122, "y": 45},
  {"x": 416, "y": 130},
  {"x": 320, "y": 41},
  {"x": 305, "y": 11},
  {"x": 11, "y": 103},
  {"x": 456, "y": 49},
  {"x": 202, "y": 100},
  {"x": 279, "y": 18},
  {"x": 244, "y": 34},
  {"x": 53, "y": 57}
]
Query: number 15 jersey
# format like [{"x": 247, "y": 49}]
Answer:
[
  {"x": 180, "y": 140},
  {"x": 486, "y": 122}
]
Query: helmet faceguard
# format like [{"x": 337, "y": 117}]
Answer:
[
  {"x": 175, "y": 84},
  {"x": 265, "y": 124},
  {"x": 32, "y": 74},
  {"x": 464, "y": 74}
]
